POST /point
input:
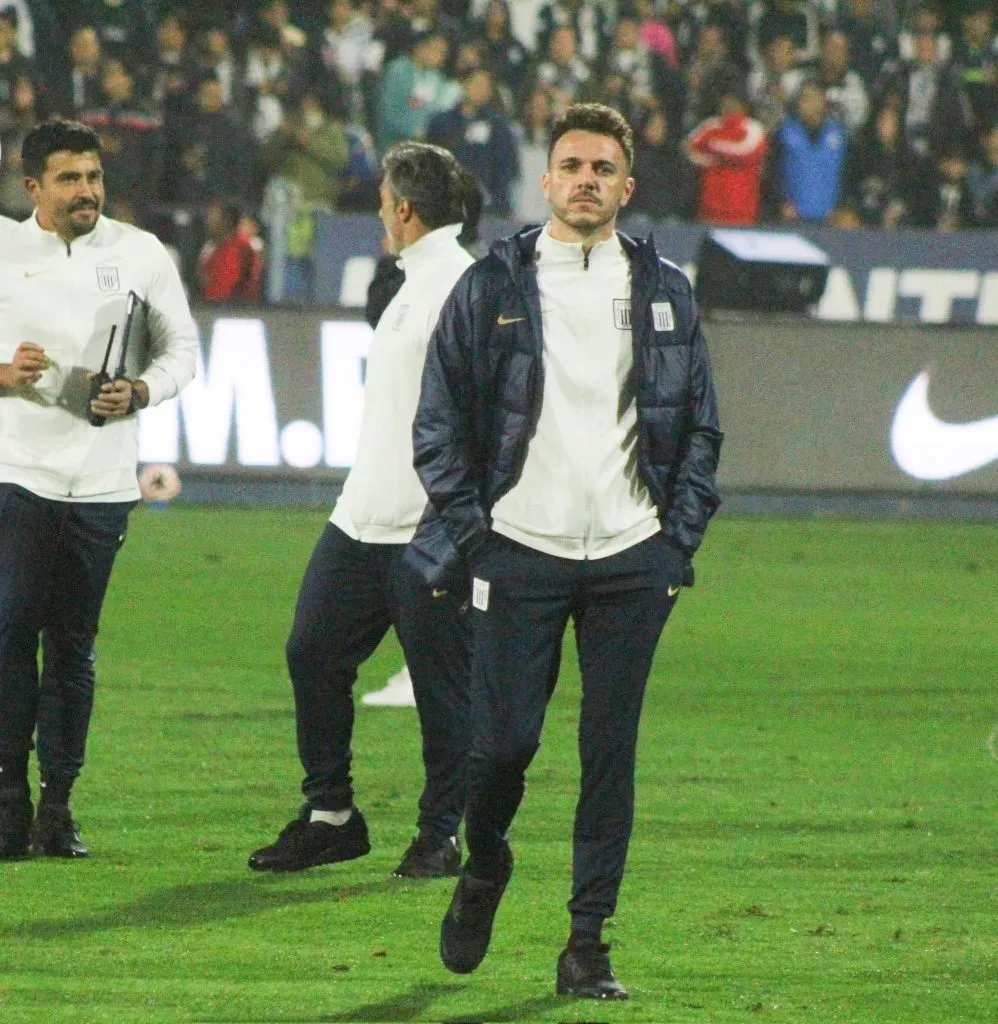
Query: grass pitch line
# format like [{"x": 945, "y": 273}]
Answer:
[{"x": 759, "y": 712}]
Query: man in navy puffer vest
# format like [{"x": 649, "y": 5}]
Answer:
[{"x": 567, "y": 437}]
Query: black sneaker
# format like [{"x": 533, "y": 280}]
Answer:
[
  {"x": 584, "y": 971},
  {"x": 304, "y": 844},
  {"x": 55, "y": 834},
  {"x": 467, "y": 925},
  {"x": 429, "y": 856},
  {"x": 16, "y": 812}
]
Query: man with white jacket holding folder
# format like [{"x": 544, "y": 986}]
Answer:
[{"x": 68, "y": 457}]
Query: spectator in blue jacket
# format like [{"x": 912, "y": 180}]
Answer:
[
  {"x": 480, "y": 136},
  {"x": 810, "y": 158}
]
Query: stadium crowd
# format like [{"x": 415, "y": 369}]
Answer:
[{"x": 852, "y": 113}]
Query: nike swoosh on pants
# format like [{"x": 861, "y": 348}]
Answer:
[{"x": 929, "y": 448}]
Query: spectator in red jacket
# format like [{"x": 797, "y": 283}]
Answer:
[
  {"x": 730, "y": 152},
  {"x": 230, "y": 267}
]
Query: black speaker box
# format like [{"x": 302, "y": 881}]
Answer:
[{"x": 759, "y": 270}]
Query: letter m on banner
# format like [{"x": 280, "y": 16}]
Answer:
[{"x": 233, "y": 390}]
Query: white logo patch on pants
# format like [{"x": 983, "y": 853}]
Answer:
[
  {"x": 480, "y": 594},
  {"x": 662, "y": 315}
]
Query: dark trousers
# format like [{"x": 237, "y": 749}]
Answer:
[
  {"x": 351, "y": 594},
  {"x": 619, "y": 606},
  {"x": 55, "y": 562}
]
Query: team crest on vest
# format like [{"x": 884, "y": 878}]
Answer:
[
  {"x": 108, "y": 280},
  {"x": 622, "y": 314}
]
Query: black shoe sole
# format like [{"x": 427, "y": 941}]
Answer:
[
  {"x": 425, "y": 875},
  {"x": 566, "y": 990},
  {"x": 422, "y": 871},
  {"x": 323, "y": 857},
  {"x": 62, "y": 854}
]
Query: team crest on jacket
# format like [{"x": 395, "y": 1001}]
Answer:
[
  {"x": 662, "y": 315},
  {"x": 622, "y": 314},
  {"x": 108, "y": 280}
]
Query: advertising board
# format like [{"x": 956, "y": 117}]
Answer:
[{"x": 805, "y": 406}]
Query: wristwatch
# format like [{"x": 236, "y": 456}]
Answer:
[{"x": 134, "y": 404}]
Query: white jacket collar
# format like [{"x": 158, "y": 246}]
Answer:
[
  {"x": 424, "y": 251},
  {"x": 50, "y": 239},
  {"x": 553, "y": 252}
]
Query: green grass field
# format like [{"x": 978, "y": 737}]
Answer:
[{"x": 817, "y": 833}]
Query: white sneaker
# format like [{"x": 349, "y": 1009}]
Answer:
[{"x": 396, "y": 694}]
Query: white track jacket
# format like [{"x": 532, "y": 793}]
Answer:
[
  {"x": 580, "y": 494},
  {"x": 65, "y": 298},
  {"x": 382, "y": 498}
]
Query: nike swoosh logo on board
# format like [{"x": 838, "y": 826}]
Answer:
[
  {"x": 672, "y": 591},
  {"x": 503, "y": 320},
  {"x": 929, "y": 448}
]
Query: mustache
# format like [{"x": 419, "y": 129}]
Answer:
[
  {"x": 586, "y": 194},
  {"x": 83, "y": 204}
]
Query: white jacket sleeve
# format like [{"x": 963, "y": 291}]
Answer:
[{"x": 173, "y": 334}]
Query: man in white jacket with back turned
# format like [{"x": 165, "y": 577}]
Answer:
[
  {"x": 356, "y": 585},
  {"x": 68, "y": 458}
]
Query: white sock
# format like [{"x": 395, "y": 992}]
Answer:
[{"x": 330, "y": 817}]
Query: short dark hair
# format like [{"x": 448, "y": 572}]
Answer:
[
  {"x": 730, "y": 82},
  {"x": 232, "y": 214},
  {"x": 597, "y": 118},
  {"x": 440, "y": 189},
  {"x": 53, "y": 136}
]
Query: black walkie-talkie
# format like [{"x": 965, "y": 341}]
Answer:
[{"x": 99, "y": 380}]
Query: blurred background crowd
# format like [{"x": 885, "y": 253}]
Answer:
[{"x": 852, "y": 113}]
